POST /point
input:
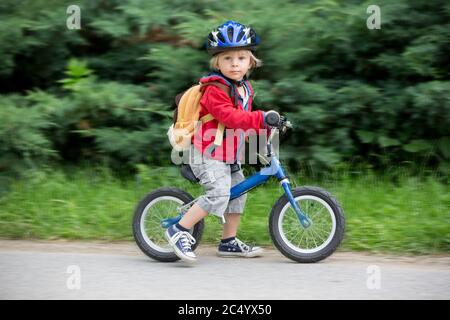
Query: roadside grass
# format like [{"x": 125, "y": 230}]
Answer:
[{"x": 405, "y": 214}]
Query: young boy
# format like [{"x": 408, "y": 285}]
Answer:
[{"x": 231, "y": 46}]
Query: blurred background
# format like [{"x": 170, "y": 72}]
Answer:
[{"x": 84, "y": 112}]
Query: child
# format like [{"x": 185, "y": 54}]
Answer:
[{"x": 232, "y": 45}]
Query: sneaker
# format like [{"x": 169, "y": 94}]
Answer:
[
  {"x": 181, "y": 242},
  {"x": 236, "y": 248}
]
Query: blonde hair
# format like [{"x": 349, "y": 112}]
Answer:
[{"x": 254, "y": 61}]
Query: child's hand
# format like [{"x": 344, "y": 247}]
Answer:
[{"x": 272, "y": 119}]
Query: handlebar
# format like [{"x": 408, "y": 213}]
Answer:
[
  {"x": 284, "y": 121},
  {"x": 283, "y": 124},
  {"x": 281, "y": 127}
]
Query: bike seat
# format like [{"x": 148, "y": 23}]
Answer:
[{"x": 188, "y": 174}]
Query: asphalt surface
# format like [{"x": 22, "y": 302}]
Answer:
[{"x": 87, "y": 270}]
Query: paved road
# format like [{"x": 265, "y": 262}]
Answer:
[{"x": 77, "y": 270}]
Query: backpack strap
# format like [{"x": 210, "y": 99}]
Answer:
[
  {"x": 206, "y": 118},
  {"x": 220, "y": 128},
  {"x": 217, "y": 84}
]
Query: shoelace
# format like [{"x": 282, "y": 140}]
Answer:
[
  {"x": 186, "y": 239},
  {"x": 241, "y": 245}
]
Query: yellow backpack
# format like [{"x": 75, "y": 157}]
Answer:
[{"x": 186, "y": 116}]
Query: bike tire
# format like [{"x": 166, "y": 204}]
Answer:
[
  {"x": 292, "y": 250},
  {"x": 146, "y": 241}
]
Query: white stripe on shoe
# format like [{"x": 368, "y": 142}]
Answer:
[
  {"x": 255, "y": 252},
  {"x": 186, "y": 241}
]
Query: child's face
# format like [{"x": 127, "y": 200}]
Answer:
[{"x": 234, "y": 64}]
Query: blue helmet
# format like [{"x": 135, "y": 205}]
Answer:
[{"x": 231, "y": 35}]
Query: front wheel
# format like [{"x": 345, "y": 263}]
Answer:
[
  {"x": 147, "y": 230},
  {"x": 319, "y": 240}
]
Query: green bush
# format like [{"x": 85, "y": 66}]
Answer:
[
  {"x": 23, "y": 143},
  {"x": 355, "y": 95}
]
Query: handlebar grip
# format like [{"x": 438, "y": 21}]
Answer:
[{"x": 273, "y": 118}]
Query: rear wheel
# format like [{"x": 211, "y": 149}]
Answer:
[{"x": 147, "y": 230}]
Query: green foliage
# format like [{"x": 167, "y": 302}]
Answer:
[
  {"x": 109, "y": 121},
  {"x": 176, "y": 69},
  {"x": 35, "y": 43},
  {"x": 23, "y": 143},
  {"x": 354, "y": 94},
  {"x": 409, "y": 215},
  {"x": 77, "y": 74}
]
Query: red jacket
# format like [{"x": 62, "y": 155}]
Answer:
[{"x": 216, "y": 102}]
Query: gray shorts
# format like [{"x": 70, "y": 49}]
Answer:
[{"x": 216, "y": 178}]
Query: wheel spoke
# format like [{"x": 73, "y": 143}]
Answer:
[
  {"x": 316, "y": 235},
  {"x": 162, "y": 209}
]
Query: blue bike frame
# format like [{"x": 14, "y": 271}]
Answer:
[{"x": 275, "y": 169}]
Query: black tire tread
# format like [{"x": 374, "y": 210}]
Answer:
[
  {"x": 154, "y": 254},
  {"x": 325, "y": 252}
]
